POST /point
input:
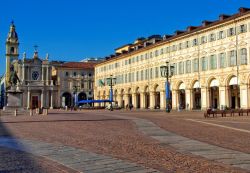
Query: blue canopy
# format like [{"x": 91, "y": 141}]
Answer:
[{"x": 93, "y": 101}]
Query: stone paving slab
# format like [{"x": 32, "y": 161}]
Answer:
[
  {"x": 187, "y": 145},
  {"x": 77, "y": 159}
]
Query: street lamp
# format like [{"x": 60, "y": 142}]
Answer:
[
  {"x": 111, "y": 82},
  {"x": 167, "y": 71},
  {"x": 75, "y": 91}
]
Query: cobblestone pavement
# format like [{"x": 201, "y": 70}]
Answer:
[
  {"x": 227, "y": 132},
  {"x": 96, "y": 132},
  {"x": 14, "y": 161},
  {"x": 186, "y": 145},
  {"x": 77, "y": 159}
]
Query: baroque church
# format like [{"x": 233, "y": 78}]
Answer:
[{"x": 35, "y": 82}]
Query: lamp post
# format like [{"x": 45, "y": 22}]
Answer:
[
  {"x": 111, "y": 82},
  {"x": 167, "y": 71},
  {"x": 75, "y": 91}
]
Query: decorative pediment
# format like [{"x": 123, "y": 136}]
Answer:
[
  {"x": 203, "y": 53},
  {"x": 231, "y": 46},
  {"x": 212, "y": 50},
  {"x": 242, "y": 43},
  {"x": 221, "y": 49},
  {"x": 195, "y": 55}
]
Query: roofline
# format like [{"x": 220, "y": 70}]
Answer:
[{"x": 177, "y": 36}]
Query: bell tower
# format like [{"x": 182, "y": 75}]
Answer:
[{"x": 12, "y": 45}]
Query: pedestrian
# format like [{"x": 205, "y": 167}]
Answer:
[
  {"x": 179, "y": 107},
  {"x": 130, "y": 106},
  {"x": 126, "y": 106}
]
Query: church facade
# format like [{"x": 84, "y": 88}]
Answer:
[
  {"x": 45, "y": 83},
  {"x": 34, "y": 74}
]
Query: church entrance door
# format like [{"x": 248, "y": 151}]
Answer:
[{"x": 34, "y": 102}]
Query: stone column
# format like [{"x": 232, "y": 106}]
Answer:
[
  {"x": 28, "y": 100},
  {"x": 47, "y": 79},
  {"x": 228, "y": 96},
  {"x": 47, "y": 99},
  {"x": 188, "y": 96},
  {"x": 174, "y": 100},
  {"x": 163, "y": 100},
  {"x": 134, "y": 99},
  {"x": 51, "y": 100},
  {"x": 119, "y": 100},
  {"x": 42, "y": 99},
  {"x": 23, "y": 77},
  {"x": 152, "y": 100},
  {"x": 143, "y": 105},
  {"x": 42, "y": 73},
  {"x": 204, "y": 98},
  {"x": 126, "y": 99},
  {"x": 244, "y": 99},
  {"x": 222, "y": 96}
]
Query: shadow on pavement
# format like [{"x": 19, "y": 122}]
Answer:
[
  {"x": 51, "y": 121},
  {"x": 16, "y": 161}
]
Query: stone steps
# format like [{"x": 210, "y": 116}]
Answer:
[{"x": 12, "y": 112}]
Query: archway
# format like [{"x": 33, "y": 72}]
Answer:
[
  {"x": 122, "y": 99},
  {"x": 234, "y": 93},
  {"x": 196, "y": 95},
  {"x": 82, "y": 96},
  {"x": 214, "y": 94},
  {"x": 182, "y": 96},
  {"x": 157, "y": 97},
  {"x": 129, "y": 96},
  {"x": 66, "y": 99},
  {"x": 147, "y": 97},
  {"x": 138, "y": 98}
]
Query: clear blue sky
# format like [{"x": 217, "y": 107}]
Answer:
[{"x": 74, "y": 29}]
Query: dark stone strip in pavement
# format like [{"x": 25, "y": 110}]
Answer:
[
  {"x": 187, "y": 145},
  {"x": 77, "y": 159}
]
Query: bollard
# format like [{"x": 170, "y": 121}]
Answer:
[
  {"x": 31, "y": 112},
  {"x": 45, "y": 111},
  {"x": 15, "y": 112}
]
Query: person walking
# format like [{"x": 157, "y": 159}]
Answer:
[{"x": 130, "y": 106}]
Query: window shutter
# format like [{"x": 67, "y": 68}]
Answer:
[{"x": 218, "y": 35}]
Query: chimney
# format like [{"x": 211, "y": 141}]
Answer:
[
  {"x": 223, "y": 17},
  {"x": 178, "y": 32},
  {"x": 117, "y": 54},
  {"x": 124, "y": 51},
  {"x": 243, "y": 10},
  {"x": 165, "y": 37},
  {"x": 190, "y": 28},
  {"x": 206, "y": 22}
]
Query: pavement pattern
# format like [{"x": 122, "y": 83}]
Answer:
[
  {"x": 76, "y": 159},
  {"x": 187, "y": 145}
]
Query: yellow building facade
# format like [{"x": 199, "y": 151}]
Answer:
[{"x": 211, "y": 67}]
